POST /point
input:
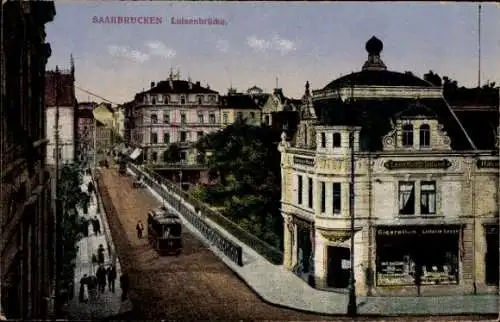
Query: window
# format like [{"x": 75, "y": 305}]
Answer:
[
  {"x": 200, "y": 100},
  {"x": 183, "y": 100},
  {"x": 240, "y": 116},
  {"x": 160, "y": 98},
  {"x": 199, "y": 134},
  {"x": 407, "y": 198},
  {"x": 425, "y": 135},
  {"x": 183, "y": 136},
  {"x": 225, "y": 118},
  {"x": 299, "y": 189},
  {"x": 153, "y": 100},
  {"x": 154, "y": 118},
  {"x": 428, "y": 197},
  {"x": 166, "y": 138},
  {"x": 267, "y": 120},
  {"x": 337, "y": 197},
  {"x": 183, "y": 156},
  {"x": 310, "y": 193},
  {"x": 407, "y": 135},
  {"x": 323, "y": 140},
  {"x": 166, "y": 118},
  {"x": 211, "y": 118},
  {"x": 336, "y": 140},
  {"x": 167, "y": 99},
  {"x": 252, "y": 115},
  {"x": 323, "y": 197},
  {"x": 200, "y": 118},
  {"x": 154, "y": 156},
  {"x": 212, "y": 98},
  {"x": 55, "y": 154},
  {"x": 154, "y": 138},
  {"x": 183, "y": 119}
]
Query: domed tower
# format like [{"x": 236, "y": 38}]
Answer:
[
  {"x": 374, "y": 47},
  {"x": 305, "y": 136}
]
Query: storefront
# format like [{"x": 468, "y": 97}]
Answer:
[
  {"x": 305, "y": 239},
  {"x": 417, "y": 255},
  {"x": 492, "y": 254}
]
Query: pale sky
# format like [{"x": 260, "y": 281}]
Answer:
[{"x": 296, "y": 42}]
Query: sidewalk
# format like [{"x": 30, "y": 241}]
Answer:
[
  {"x": 281, "y": 287},
  {"x": 107, "y": 303}
]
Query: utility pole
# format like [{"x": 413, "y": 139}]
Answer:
[
  {"x": 58, "y": 212},
  {"x": 479, "y": 46},
  {"x": 352, "y": 306}
]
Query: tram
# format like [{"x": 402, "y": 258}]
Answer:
[{"x": 165, "y": 231}]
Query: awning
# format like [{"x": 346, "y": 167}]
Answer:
[{"x": 135, "y": 154}]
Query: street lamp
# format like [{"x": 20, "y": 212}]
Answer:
[{"x": 352, "y": 306}]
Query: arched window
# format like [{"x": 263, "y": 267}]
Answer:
[
  {"x": 183, "y": 100},
  {"x": 407, "y": 135},
  {"x": 154, "y": 118},
  {"x": 336, "y": 140},
  {"x": 425, "y": 135},
  {"x": 323, "y": 140}
]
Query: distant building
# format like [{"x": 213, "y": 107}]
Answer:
[
  {"x": 281, "y": 112},
  {"x": 104, "y": 134},
  {"x": 85, "y": 131},
  {"x": 173, "y": 111},
  {"x": 27, "y": 239},
  {"x": 60, "y": 91},
  {"x": 424, "y": 194},
  {"x": 237, "y": 106}
]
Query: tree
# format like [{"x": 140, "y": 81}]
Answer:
[
  {"x": 433, "y": 78},
  {"x": 173, "y": 154}
]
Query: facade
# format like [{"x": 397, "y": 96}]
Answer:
[
  {"x": 26, "y": 217},
  {"x": 281, "y": 112},
  {"x": 237, "y": 106},
  {"x": 104, "y": 133},
  {"x": 84, "y": 142},
  {"x": 386, "y": 149},
  {"x": 60, "y": 91},
  {"x": 173, "y": 111}
]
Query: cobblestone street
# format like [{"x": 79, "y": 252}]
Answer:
[{"x": 194, "y": 286}]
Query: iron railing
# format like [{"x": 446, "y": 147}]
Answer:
[{"x": 272, "y": 254}]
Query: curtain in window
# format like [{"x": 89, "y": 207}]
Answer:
[
  {"x": 407, "y": 199},
  {"x": 428, "y": 199}
]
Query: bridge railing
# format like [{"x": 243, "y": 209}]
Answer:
[
  {"x": 271, "y": 253},
  {"x": 157, "y": 183}
]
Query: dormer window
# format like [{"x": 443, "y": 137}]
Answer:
[
  {"x": 212, "y": 98},
  {"x": 336, "y": 140},
  {"x": 183, "y": 100},
  {"x": 153, "y": 100},
  {"x": 167, "y": 99},
  {"x": 323, "y": 140},
  {"x": 407, "y": 135},
  {"x": 425, "y": 135},
  {"x": 200, "y": 100}
]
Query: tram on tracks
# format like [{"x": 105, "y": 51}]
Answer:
[{"x": 165, "y": 231}]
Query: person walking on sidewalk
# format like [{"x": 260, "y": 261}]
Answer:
[
  {"x": 90, "y": 188},
  {"x": 84, "y": 290},
  {"x": 124, "y": 285},
  {"x": 101, "y": 278},
  {"x": 140, "y": 228},
  {"x": 92, "y": 286},
  {"x": 100, "y": 255},
  {"x": 94, "y": 225},
  {"x": 111, "y": 277},
  {"x": 97, "y": 226}
]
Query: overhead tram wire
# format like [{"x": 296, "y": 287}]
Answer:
[{"x": 96, "y": 95}]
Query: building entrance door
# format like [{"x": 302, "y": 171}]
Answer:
[
  {"x": 492, "y": 257},
  {"x": 338, "y": 266},
  {"x": 304, "y": 248}
]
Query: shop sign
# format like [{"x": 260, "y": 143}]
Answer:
[
  {"x": 417, "y": 164},
  {"x": 303, "y": 161},
  {"x": 424, "y": 230},
  {"x": 488, "y": 164}
]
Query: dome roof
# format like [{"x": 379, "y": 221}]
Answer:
[
  {"x": 378, "y": 78},
  {"x": 374, "y": 46}
]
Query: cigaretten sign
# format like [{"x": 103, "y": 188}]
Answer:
[{"x": 417, "y": 164}]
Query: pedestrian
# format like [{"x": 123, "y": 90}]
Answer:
[
  {"x": 124, "y": 285},
  {"x": 140, "y": 228},
  {"x": 101, "y": 278},
  {"x": 90, "y": 188},
  {"x": 92, "y": 287},
  {"x": 94, "y": 225},
  {"x": 100, "y": 255},
  {"x": 84, "y": 291},
  {"x": 98, "y": 226},
  {"x": 111, "y": 277}
]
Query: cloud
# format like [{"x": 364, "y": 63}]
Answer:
[
  {"x": 126, "y": 52},
  {"x": 276, "y": 43},
  {"x": 222, "y": 45},
  {"x": 157, "y": 48}
]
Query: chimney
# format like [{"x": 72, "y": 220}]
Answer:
[
  {"x": 152, "y": 84},
  {"x": 198, "y": 84},
  {"x": 171, "y": 83}
]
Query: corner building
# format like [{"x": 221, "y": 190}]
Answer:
[{"x": 425, "y": 195}]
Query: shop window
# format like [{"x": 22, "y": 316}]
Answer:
[
  {"x": 300, "y": 187},
  {"x": 337, "y": 197},
  {"x": 310, "y": 193},
  {"x": 154, "y": 138},
  {"x": 211, "y": 118},
  {"x": 166, "y": 118},
  {"x": 336, "y": 140},
  {"x": 154, "y": 118},
  {"x": 425, "y": 135},
  {"x": 428, "y": 197},
  {"x": 323, "y": 140},
  {"x": 323, "y": 197},
  {"x": 166, "y": 138},
  {"x": 407, "y": 135},
  {"x": 406, "y": 198}
]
